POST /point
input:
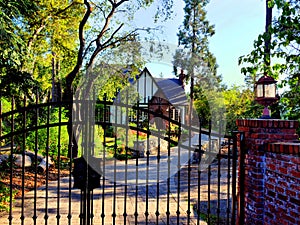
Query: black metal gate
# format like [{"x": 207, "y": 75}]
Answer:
[{"x": 138, "y": 175}]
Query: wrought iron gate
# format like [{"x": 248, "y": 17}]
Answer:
[{"x": 157, "y": 180}]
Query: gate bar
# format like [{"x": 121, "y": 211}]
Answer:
[
  {"x": 35, "y": 159},
  {"x": 11, "y": 164},
  {"x": 22, "y": 217},
  {"x": 47, "y": 161},
  {"x": 58, "y": 164},
  {"x": 234, "y": 177},
  {"x": 228, "y": 179},
  {"x": 199, "y": 172},
  {"x": 241, "y": 197}
]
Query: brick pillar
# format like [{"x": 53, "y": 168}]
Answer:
[{"x": 258, "y": 133}]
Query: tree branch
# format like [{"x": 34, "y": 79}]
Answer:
[
  {"x": 114, "y": 6},
  {"x": 120, "y": 3},
  {"x": 106, "y": 24},
  {"x": 71, "y": 76},
  {"x": 109, "y": 43},
  {"x": 65, "y": 9},
  {"x": 119, "y": 40},
  {"x": 37, "y": 31},
  {"x": 100, "y": 8},
  {"x": 88, "y": 47},
  {"x": 113, "y": 34},
  {"x": 44, "y": 21}
]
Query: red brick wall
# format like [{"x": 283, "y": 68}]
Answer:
[
  {"x": 282, "y": 184},
  {"x": 271, "y": 171}
]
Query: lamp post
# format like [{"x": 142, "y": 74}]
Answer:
[{"x": 266, "y": 94}]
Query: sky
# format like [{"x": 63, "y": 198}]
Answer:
[{"x": 237, "y": 25}]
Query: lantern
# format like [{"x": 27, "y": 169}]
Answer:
[
  {"x": 85, "y": 175},
  {"x": 266, "y": 94}
]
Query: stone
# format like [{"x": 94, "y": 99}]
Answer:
[
  {"x": 43, "y": 165},
  {"x": 3, "y": 158},
  {"x": 19, "y": 160},
  {"x": 32, "y": 155}
]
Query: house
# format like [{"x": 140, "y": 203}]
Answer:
[{"x": 153, "y": 97}]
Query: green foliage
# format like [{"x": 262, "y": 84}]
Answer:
[
  {"x": 52, "y": 39},
  {"x": 203, "y": 110},
  {"x": 98, "y": 141},
  {"x": 12, "y": 45},
  {"x": 199, "y": 63},
  {"x": 4, "y": 189},
  {"x": 194, "y": 36},
  {"x": 58, "y": 136},
  {"x": 19, "y": 84},
  {"x": 285, "y": 50},
  {"x": 111, "y": 78},
  {"x": 239, "y": 104},
  {"x": 4, "y": 197},
  {"x": 213, "y": 219}
]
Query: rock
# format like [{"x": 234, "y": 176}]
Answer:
[
  {"x": 32, "y": 156},
  {"x": 43, "y": 164},
  {"x": 139, "y": 149},
  {"x": 19, "y": 160},
  {"x": 155, "y": 143},
  {"x": 3, "y": 158}
]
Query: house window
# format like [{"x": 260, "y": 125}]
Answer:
[
  {"x": 103, "y": 114},
  {"x": 174, "y": 114},
  {"x": 107, "y": 114},
  {"x": 142, "y": 116}
]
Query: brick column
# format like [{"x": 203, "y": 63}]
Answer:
[{"x": 258, "y": 133}]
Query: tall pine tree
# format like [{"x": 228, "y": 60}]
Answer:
[
  {"x": 194, "y": 36},
  {"x": 195, "y": 57}
]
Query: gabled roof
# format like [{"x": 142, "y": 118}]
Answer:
[{"x": 173, "y": 90}]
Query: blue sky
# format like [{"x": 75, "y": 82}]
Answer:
[{"x": 237, "y": 24}]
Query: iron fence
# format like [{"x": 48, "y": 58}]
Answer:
[{"x": 181, "y": 174}]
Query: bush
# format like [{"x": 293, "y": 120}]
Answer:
[
  {"x": 4, "y": 189},
  {"x": 4, "y": 197},
  {"x": 58, "y": 137}
]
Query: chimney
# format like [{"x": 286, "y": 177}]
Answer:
[{"x": 182, "y": 77}]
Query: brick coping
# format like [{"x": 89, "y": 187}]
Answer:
[
  {"x": 268, "y": 123},
  {"x": 291, "y": 148}
]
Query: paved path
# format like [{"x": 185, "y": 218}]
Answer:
[{"x": 165, "y": 200}]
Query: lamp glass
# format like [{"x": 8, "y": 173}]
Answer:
[
  {"x": 270, "y": 90},
  {"x": 259, "y": 91}
]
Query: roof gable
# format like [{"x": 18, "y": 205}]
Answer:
[
  {"x": 147, "y": 86},
  {"x": 173, "y": 90}
]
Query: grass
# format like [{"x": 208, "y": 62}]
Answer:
[{"x": 211, "y": 219}]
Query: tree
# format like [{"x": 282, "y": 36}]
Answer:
[
  {"x": 239, "y": 104},
  {"x": 284, "y": 52},
  {"x": 12, "y": 44},
  {"x": 52, "y": 40},
  {"x": 39, "y": 44},
  {"x": 193, "y": 36},
  {"x": 13, "y": 47},
  {"x": 62, "y": 40},
  {"x": 196, "y": 58},
  {"x": 108, "y": 33}
]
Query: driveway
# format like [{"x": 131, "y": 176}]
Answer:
[{"x": 141, "y": 191}]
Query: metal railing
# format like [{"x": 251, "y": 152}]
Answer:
[{"x": 184, "y": 176}]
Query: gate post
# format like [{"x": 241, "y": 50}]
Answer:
[{"x": 258, "y": 134}]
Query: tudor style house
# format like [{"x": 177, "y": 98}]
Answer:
[{"x": 153, "y": 97}]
